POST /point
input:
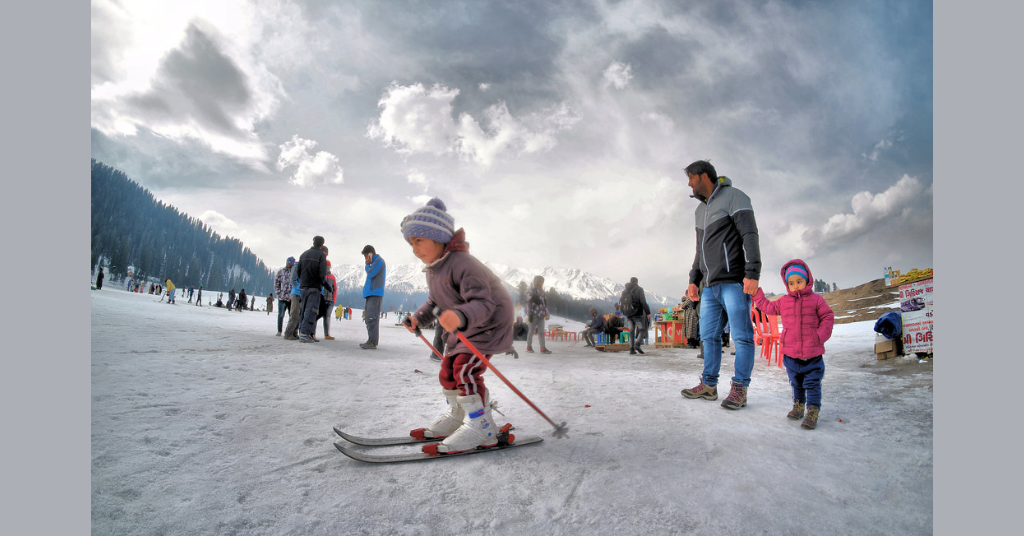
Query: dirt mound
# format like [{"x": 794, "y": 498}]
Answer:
[{"x": 865, "y": 302}]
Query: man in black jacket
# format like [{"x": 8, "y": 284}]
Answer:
[
  {"x": 312, "y": 274},
  {"x": 728, "y": 263},
  {"x": 635, "y": 309}
]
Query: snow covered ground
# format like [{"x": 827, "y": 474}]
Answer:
[{"x": 205, "y": 422}]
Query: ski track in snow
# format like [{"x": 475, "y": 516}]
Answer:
[{"x": 205, "y": 422}]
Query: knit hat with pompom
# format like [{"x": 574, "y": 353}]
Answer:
[{"x": 431, "y": 222}]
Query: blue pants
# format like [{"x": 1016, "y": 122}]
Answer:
[
  {"x": 282, "y": 306},
  {"x": 372, "y": 311},
  {"x": 805, "y": 376},
  {"x": 310, "y": 306},
  {"x": 730, "y": 297}
]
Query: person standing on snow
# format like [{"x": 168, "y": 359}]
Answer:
[
  {"x": 373, "y": 293},
  {"x": 312, "y": 271},
  {"x": 633, "y": 305},
  {"x": 728, "y": 262},
  {"x": 99, "y": 279},
  {"x": 470, "y": 299},
  {"x": 283, "y": 290},
  {"x": 808, "y": 320},
  {"x": 537, "y": 313},
  {"x": 330, "y": 293}
]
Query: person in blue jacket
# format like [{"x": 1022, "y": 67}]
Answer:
[{"x": 373, "y": 293}]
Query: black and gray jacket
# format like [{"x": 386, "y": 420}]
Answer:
[{"x": 727, "y": 243}]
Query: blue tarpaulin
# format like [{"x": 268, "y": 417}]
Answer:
[{"x": 890, "y": 325}]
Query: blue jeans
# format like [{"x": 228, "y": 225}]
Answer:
[
  {"x": 310, "y": 306},
  {"x": 372, "y": 319},
  {"x": 282, "y": 306},
  {"x": 730, "y": 297},
  {"x": 805, "y": 377}
]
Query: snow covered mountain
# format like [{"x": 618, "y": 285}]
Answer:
[{"x": 408, "y": 278}]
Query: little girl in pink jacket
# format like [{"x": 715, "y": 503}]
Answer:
[{"x": 807, "y": 323}]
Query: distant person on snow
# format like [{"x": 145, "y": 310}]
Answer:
[
  {"x": 231, "y": 299},
  {"x": 373, "y": 293},
  {"x": 240, "y": 304},
  {"x": 291, "y": 331},
  {"x": 270, "y": 304},
  {"x": 170, "y": 290},
  {"x": 327, "y": 296},
  {"x": 808, "y": 320},
  {"x": 520, "y": 329},
  {"x": 595, "y": 326},
  {"x": 537, "y": 313},
  {"x": 199, "y": 296},
  {"x": 312, "y": 271},
  {"x": 283, "y": 291},
  {"x": 633, "y": 304},
  {"x": 99, "y": 279},
  {"x": 471, "y": 299}
]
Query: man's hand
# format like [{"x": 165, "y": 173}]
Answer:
[
  {"x": 750, "y": 286},
  {"x": 691, "y": 293},
  {"x": 412, "y": 322},
  {"x": 368, "y": 258}
]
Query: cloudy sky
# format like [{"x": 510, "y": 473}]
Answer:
[{"x": 556, "y": 132}]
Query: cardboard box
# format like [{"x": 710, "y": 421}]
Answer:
[{"x": 885, "y": 349}]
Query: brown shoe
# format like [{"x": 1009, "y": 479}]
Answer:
[
  {"x": 811, "y": 420},
  {"x": 709, "y": 392},
  {"x": 328, "y": 338},
  {"x": 797, "y": 411},
  {"x": 737, "y": 397}
]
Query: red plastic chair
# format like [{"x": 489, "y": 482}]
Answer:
[
  {"x": 775, "y": 341},
  {"x": 756, "y": 320},
  {"x": 762, "y": 333}
]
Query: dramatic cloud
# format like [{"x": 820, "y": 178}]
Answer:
[
  {"x": 870, "y": 213},
  {"x": 311, "y": 169},
  {"x": 415, "y": 119},
  {"x": 618, "y": 75}
]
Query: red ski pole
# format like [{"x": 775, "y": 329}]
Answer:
[
  {"x": 420, "y": 334},
  {"x": 561, "y": 430}
]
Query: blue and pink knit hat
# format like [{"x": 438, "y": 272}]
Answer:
[
  {"x": 431, "y": 222},
  {"x": 798, "y": 270}
]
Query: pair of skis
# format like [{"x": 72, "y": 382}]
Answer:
[{"x": 505, "y": 441}]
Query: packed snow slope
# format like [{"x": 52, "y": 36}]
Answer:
[{"x": 205, "y": 422}]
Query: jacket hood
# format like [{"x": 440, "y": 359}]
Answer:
[
  {"x": 721, "y": 182},
  {"x": 798, "y": 262}
]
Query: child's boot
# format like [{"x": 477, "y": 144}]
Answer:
[
  {"x": 447, "y": 423},
  {"x": 477, "y": 430},
  {"x": 797, "y": 411},
  {"x": 737, "y": 397},
  {"x": 811, "y": 420}
]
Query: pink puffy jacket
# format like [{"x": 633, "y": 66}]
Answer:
[{"x": 806, "y": 318}]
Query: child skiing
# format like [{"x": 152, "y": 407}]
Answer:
[
  {"x": 807, "y": 322},
  {"x": 472, "y": 300}
]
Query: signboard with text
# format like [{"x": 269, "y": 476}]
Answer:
[{"x": 916, "y": 306}]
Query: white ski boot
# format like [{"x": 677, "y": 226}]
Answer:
[
  {"x": 478, "y": 429},
  {"x": 447, "y": 423}
]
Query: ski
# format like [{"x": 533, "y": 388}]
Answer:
[
  {"x": 382, "y": 441},
  {"x": 420, "y": 456}
]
